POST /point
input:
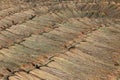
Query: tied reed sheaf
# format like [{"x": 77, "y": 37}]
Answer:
[{"x": 59, "y": 39}]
